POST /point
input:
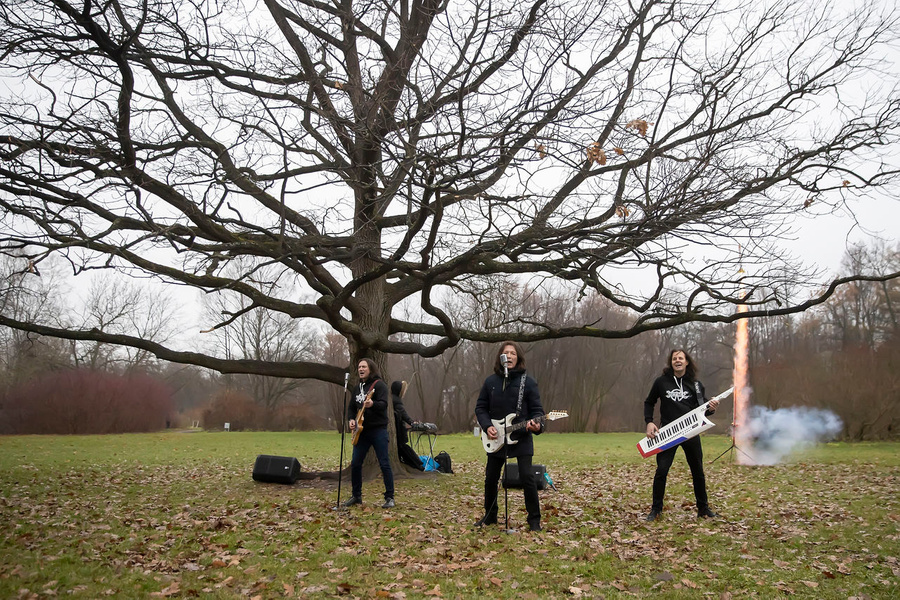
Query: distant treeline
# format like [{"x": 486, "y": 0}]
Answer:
[{"x": 843, "y": 356}]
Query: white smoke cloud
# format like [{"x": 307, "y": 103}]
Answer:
[{"x": 775, "y": 434}]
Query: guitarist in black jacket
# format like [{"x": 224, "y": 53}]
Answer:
[
  {"x": 510, "y": 390},
  {"x": 373, "y": 396}
]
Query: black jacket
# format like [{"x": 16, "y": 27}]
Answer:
[
  {"x": 400, "y": 414},
  {"x": 499, "y": 397},
  {"x": 675, "y": 401},
  {"x": 376, "y": 415}
]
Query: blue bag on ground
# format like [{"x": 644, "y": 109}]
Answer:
[{"x": 429, "y": 463}]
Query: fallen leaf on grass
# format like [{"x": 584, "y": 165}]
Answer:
[{"x": 170, "y": 590}]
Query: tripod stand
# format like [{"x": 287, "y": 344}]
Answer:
[{"x": 733, "y": 446}]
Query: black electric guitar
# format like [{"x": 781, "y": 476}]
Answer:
[{"x": 506, "y": 427}]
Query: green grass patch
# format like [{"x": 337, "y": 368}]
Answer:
[{"x": 177, "y": 515}]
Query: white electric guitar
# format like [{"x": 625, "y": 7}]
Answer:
[{"x": 506, "y": 427}]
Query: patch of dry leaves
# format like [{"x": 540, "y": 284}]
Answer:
[{"x": 797, "y": 530}]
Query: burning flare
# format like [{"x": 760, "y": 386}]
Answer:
[
  {"x": 741, "y": 389},
  {"x": 767, "y": 437}
]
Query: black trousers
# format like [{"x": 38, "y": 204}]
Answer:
[
  {"x": 693, "y": 452},
  {"x": 492, "y": 473}
]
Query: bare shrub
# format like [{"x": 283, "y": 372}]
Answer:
[
  {"x": 87, "y": 402},
  {"x": 235, "y": 408}
]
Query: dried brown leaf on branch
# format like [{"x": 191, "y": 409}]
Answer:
[
  {"x": 639, "y": 125},
  {"x": 596, "y": 154}
]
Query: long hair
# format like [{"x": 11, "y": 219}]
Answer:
[
  {"x": 690, "y": 371},
  {"x": 520, "y": 360},
  {"x": 398, "y": 388},
  {"x": 373, "y": 368}
]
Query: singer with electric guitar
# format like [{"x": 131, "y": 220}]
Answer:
[
  {"x": 369, "y": 404},
  {"x": 510, "y": 390}
]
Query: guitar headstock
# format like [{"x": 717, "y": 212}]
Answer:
[{"x": 556, "y": 414}]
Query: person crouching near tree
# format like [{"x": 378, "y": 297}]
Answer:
[
  {"x": 510, "y": 390},
  {"x": 679, "y": 392},
  {"x": 374, "y": 432}
]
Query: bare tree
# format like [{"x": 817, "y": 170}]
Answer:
[
  {"x": 260, "y": 335},
  {"x": 28, "y": 296},
  {"x": 863, "y": 313},
  {"x": 383, "y": 153},
  {"x": 117, "y": 306}
]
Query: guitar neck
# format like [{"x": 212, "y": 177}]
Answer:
[{"x": 517, "y": 426}]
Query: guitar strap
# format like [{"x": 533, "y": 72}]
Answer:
[{"x": 521, "y": 395}]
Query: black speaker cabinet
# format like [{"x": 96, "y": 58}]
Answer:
[
  {"x": 515, "y": 482},
  {"x": 276, "y": 469}
]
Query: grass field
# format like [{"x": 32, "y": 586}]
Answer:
[{"x": 177, "y": 515}]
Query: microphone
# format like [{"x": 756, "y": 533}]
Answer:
[{"x": 504, "y": 362}]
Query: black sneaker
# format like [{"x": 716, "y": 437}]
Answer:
[
  {"x": 485, "y": 520},
  {"x": 706, "y": 514},
  {"x": 388, "y": 503},
  {"x": 351, "y": 501},
  {"x": 652, "y": 516}
]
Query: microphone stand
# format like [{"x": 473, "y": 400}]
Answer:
[
  {"x": 506, "y": 484},
  {"x": 508, "y": 529},
  {"x": 343, "y": 420}
]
